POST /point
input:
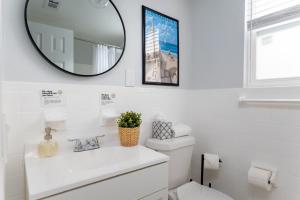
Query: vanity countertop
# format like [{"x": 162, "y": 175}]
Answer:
[{"x": 68, "y": 170}]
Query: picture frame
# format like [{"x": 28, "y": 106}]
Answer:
[{"x": 160, "y": 48}]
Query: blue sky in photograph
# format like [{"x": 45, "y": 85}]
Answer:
[{"x": 167, "y": 27}]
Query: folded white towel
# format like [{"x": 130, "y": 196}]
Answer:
[{"x": 181, "y": 130}]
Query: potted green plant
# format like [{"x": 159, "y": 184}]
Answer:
[{"x": 129, "y": 128}]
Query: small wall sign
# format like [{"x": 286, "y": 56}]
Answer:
[
  {"x": 52, "y": 97},
  {"x": 107, "y": 98}
]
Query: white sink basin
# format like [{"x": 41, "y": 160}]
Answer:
[{"x": 68, "y": 170}]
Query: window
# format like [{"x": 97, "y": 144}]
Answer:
[{"x": 273, "y": 43}]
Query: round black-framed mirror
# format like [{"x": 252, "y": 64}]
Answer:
[{"x": 80, "y": 37}]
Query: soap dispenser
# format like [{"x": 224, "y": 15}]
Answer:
[{"x": 48, "y": 147}]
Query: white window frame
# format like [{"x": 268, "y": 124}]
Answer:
[{"x": 250, "y": 80}]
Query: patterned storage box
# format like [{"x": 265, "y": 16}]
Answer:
[{"x": 162, "y": 130}]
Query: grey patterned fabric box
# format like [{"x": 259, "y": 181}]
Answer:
[{"x": 162, "y": 130}]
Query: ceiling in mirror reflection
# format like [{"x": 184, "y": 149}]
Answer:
[
  {"x": 103, "y": 23},
  {"x": 83, "y": 37}
]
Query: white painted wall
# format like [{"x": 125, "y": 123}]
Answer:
[
  {"x": 29, "y": 66},
  {"x": 2, "y": 167},
  {"x": 242, "y": 134},
  {"x": 218, "y": 42}
]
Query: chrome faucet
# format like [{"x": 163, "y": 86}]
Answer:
[{"x": 86, "y": 144}]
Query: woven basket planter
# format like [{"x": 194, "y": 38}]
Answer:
[{"x": 129, "y": 137}]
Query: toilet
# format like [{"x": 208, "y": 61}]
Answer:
[{"x": 180, "y": 152}]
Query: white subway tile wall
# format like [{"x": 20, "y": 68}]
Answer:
[
  {"x": 242, "y": 134},
  {"x": 239, "y": 133},
  {"x": 24, "y": 111}
]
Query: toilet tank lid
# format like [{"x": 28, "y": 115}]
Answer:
[{"x": 170, "y": 144}]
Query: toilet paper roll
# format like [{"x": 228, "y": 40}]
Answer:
[
  {"x": 211, "y": 161},
  {"x": 260, "y": 178}
]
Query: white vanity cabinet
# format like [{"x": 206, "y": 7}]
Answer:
[
  {"x": 161, "y": 195},
  {"x": 147, "y": 184},
  {"x": 110, "y": 173}
]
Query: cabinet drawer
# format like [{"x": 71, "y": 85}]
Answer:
[
  {"x": 131, "y": 186},
  {"x": 161, "y": 195}
]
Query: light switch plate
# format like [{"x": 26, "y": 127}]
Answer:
[{"x": 130, "y": 78}]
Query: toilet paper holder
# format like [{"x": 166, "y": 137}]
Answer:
[
  {"x": 273, "y": 170},
  {"x": 202, "y": 169}
]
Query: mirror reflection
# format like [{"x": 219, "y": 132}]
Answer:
[{"x": 83, "y": 37}]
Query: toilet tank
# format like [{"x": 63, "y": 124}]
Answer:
[{"x": 180, "y": 152}]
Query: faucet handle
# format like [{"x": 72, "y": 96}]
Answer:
[
  {"x": 78, "y": 145},
  {"x": 100, "y": 136},
  {"x": 77, "y": 141}
]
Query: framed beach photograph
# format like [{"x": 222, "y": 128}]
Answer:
[{"x": 160, "y": 49}]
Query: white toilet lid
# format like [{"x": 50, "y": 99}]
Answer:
[{"x": 195, "y": 191}]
